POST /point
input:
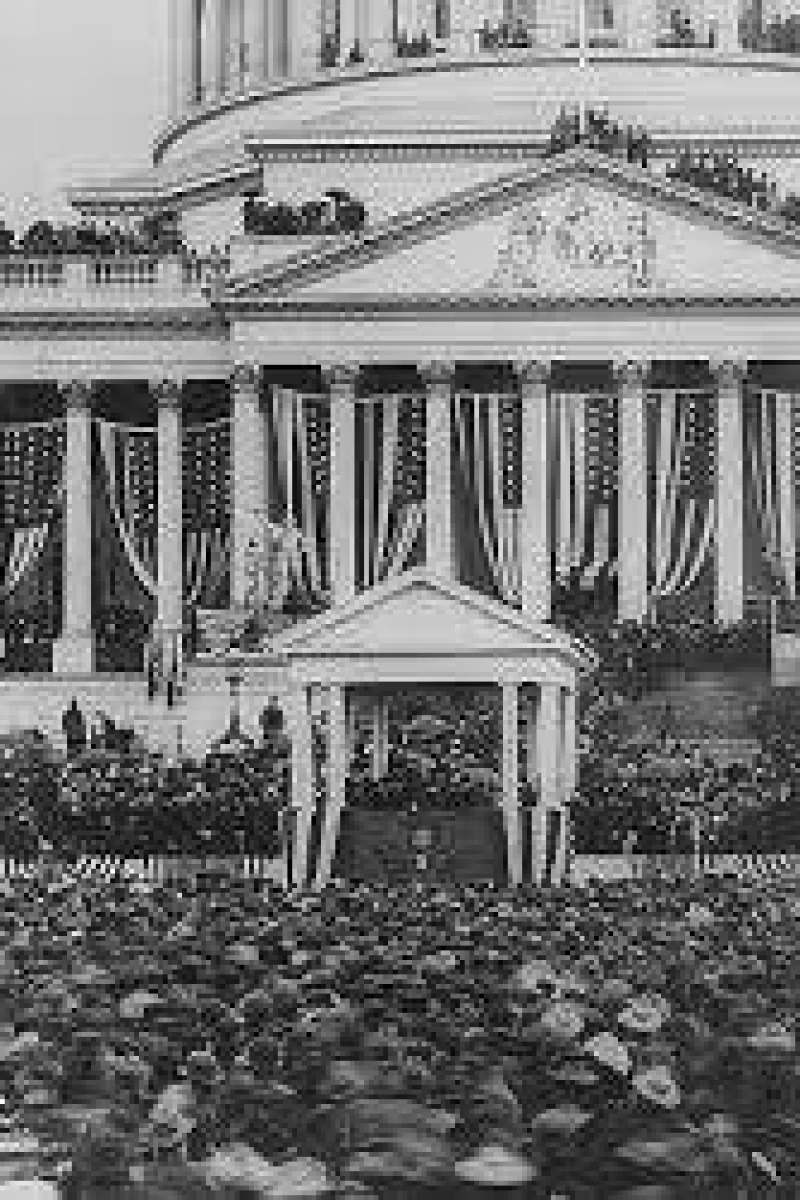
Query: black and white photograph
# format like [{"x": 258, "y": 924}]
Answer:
[{"x": 399, "y": 630}]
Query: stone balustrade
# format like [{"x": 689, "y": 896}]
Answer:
[{"x": 31, "y": 281}]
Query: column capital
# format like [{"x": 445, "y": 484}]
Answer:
[
  {"x": 532, "y": 373},
  {"x": 77, "y": 394},
  {"x": 340, "y": 377},
  {"x": 246, "y": 377},
  {"x": 167, "y": 392},
  {"x": 728, "y": 372},
  {"x": 630, "y": 373},
  {"x": 437, "y": 373}
]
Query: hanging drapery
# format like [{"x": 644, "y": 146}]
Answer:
[
  {"x": 130, "y": 456},
  {"x": 206, "y": 513},
  {"x": 389, "y": 521},
  {"x": 206, "y": 557},
  {"x": 600, "y": 472},
  {"x": 683, "y": 509},
  {"x": 31, "y": 467},
  {"x": 298, "y": 490},
  {"x": 568, "y": 448},
  {"x": 769, "y": 444},
  {"x": 488, "y": 430}
]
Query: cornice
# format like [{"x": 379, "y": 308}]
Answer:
[
  {"x": 365, "y": 307},
  {"x": 61, "y": 325},
  {"x": 493, "y": 145},
  {"x": 491, "y": 198}
]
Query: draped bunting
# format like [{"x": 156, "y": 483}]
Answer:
[
  {"x": 770, "y": 482},
  {"x": 297, "y": 439},
  {"x": 130, "y": 457},
  {"x": 207, "y": 513},
  {"x": 489, "y": 453},
  {"x": 682, "y": 501},
  {"x": 390, "y": 519},
  {"x": 31, "y": 469},
  {"x": 583, "y": 457}
]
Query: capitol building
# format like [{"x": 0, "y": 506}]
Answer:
[{"x": 453, "y": 314}]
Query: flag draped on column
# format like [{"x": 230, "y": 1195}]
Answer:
[
  {"x": 297, "y": 448},
  {"x": 601, "y": 465},
  {"x": 130, "y": 460},
  {"x": 770, "y": 481},
  {"x": 390, "y": 505},
  {"x": 32, "y": 470},
  {"x": 584, "y": 472},
  {"x": 681, "y": 503},
  {"x": 489, "y": 433},
  {"x": 206, "y": 514}
]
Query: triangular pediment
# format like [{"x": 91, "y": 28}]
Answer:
[
  {"x": 417, "y": 614},
  {"x": 578, "y": 227}
]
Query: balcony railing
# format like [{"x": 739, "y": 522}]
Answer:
[{"x": 31, "y": 281}]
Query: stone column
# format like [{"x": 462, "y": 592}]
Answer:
[
  {"x": 247, "y": 475},
  {"x": 548, "y": 754},
  {"x": 336, "y": 783},
  {"x": 380, "y": 737},
  {"x": 73, "y": 652},
  {"x": 182, "y": 56},
  {"x": 255, "y": 26},
  {"x": 533, "y": 543},
  {"x": 213, "y": 50},
  {"x": 381, "y": 39},
  {"x": 531, "y": 734},
  {"x": 342, "y": 548},
  {"x": 632, "y": 576},
  {"x": 569, "y": 765},
  {"x": 302, "y": 796},
  {"x": 439, "y": 548},
  {"x": 349, "y": 30},
  {"x": 510, "y": 693},
  {"x": 729, "y": 533},
  {"x": 642, "y": 28},
  {"x": 169, "y": 618}
]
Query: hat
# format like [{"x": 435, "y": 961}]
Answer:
[{"x": 497, "y": 1166}]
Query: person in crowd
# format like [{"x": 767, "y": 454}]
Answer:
[{"x": 73, "y": 725}]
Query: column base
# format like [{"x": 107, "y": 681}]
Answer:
[{"x": 73, "y": 654}]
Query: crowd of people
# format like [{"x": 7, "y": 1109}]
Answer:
[
  {"x": 336, "y": 212},
  {"x": 710, "y": 171},
  {"x": 377, "y": 1041},
  {"x": 781, "y": 35},
  {"x": 600, "y": 133}
]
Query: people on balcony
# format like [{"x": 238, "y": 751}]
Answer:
[
  {"x": 335, "y": 212},
  {"x": 419, "y": 46}
]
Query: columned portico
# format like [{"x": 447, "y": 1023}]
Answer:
[
  {"x": 73, "y": 653},
  {"x": 414, "y": 630}
]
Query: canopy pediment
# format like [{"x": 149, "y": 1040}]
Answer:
[
  {"x": 417, "y": 615},
  {"x": 581, "y": 227}
]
